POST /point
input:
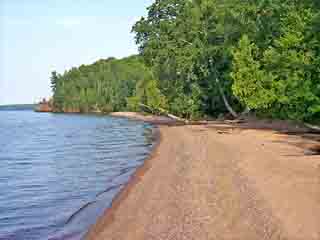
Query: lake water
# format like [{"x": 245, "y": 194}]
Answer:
[{"x": 58, "y": 172}]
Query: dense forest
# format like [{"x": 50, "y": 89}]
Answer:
[
  {"x": 209, "y": 57},
  {"x": 101, "y": 87}
]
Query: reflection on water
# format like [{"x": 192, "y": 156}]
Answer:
[{"x": 59, "y": 172}]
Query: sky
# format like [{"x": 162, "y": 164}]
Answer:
[{"x": 40, "y": 36}]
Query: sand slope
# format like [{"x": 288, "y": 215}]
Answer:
[{"x": 202, "y": 183}]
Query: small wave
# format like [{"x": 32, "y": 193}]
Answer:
[
  {"x": 50, "y": 163},
  {"x": 79, "y": 210}
]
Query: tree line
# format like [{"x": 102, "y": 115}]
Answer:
[
  {"x": 103, "y": 86},
  {"x": 210, "y": 57}
]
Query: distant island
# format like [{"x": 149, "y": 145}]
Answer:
[{"x": 19, "y": 107}]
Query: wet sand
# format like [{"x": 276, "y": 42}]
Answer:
[{"x": 219, "y": 182}]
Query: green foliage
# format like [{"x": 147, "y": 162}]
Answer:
[
  {"x": 283, "y": 79},
  {"x": 207, "y": 57},
  {"x": 147, "y": 93},
  {"x": 252, "y": 85},
  {"x": 188, "y": 106},
  {"x": 263, "y": 55},
  {"x": 101, "y": 87}
]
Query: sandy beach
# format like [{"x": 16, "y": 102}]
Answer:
[{"x": 219, "y": 181}]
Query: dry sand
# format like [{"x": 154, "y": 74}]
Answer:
[{"x": 219, "y": 182}]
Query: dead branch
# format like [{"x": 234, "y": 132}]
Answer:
[
  {"x": 313, "y": 128},
  {"x": 164, "y": 112}
]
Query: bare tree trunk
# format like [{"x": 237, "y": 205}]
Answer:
[
  {"x": 313, "y": 128},
  {"x": 246, "y": 111},
  {"x": 225, "y": 101},
  {"x": 164, "y": 113}
]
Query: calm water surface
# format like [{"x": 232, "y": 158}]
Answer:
[{"x": 58, "y": 172}]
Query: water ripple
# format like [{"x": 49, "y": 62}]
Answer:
[{"x": 58, "y": 169}]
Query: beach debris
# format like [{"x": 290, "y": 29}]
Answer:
[
  {"x": 224, "y": 131},
  {"x": 313, "y": 128},
  {"x": 313, "y": 150},
  {"x": 163, "y": 112}
]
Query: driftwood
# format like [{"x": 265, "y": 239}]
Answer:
[
  {"x": 164, "y": 112},
  {"x": 235, "y": 121},
  {"x": 313, "y": 128}
]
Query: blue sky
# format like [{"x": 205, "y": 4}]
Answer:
[{"x": 39, "y": 36}]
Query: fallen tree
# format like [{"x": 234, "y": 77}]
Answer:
[
  {"x": 163, "y": 112},
  {"x": 313, "y": 128}
]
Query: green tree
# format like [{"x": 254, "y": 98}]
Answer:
[{"x": 102, "y": 86}]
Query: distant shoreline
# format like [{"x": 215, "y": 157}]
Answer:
[{"x": 13, "y": 107}]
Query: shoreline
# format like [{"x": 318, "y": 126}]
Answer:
[
  {"x": 108, "y": 216},
  {"x": 123, "y": 221},
  {"x": 151, "y": 119}
]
